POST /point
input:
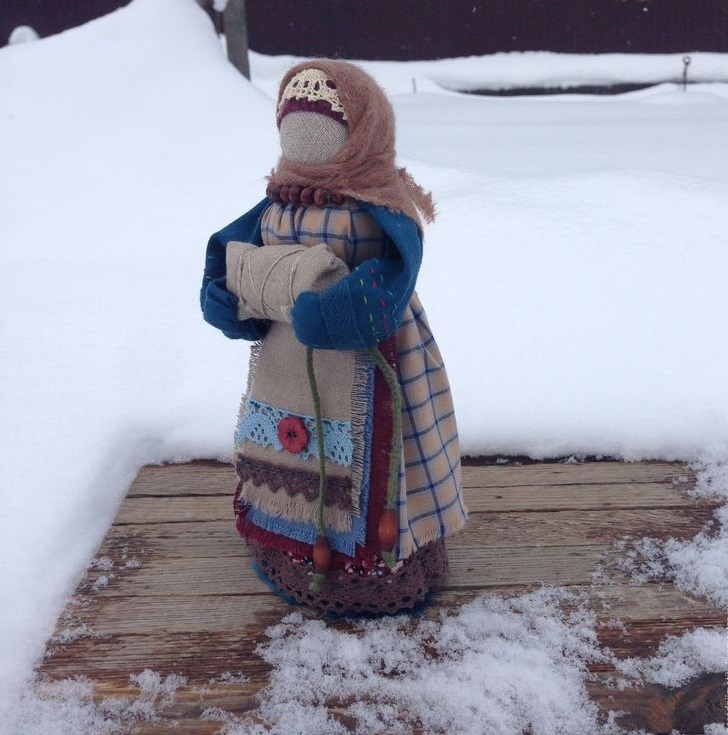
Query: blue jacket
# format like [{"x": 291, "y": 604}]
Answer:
[{"x": 359, "y": 311}]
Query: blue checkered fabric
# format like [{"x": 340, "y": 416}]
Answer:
[{"x": 430, "y": 503}]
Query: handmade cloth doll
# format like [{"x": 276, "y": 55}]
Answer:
[{"x": 346, "y": 447}]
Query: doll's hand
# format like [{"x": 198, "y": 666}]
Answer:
[
  {"x": 356, "y": 313},
  {"x": 309, "y": 323},
  {"x": 220, "y": 308}
]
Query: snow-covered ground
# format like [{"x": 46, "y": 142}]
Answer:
[
  {"x": 576, "y": 278},
  {"x": 521, "y": 70}
]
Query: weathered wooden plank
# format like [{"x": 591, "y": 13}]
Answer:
[
  {"x": 657, "y": 709},
  {"x": 150, "y": 509},
  {"x": 203, "y": 656},
  {"x": 641, "y": 639},
  {"x": 469, "y": 567},
  {"x": 216, "y": 478},
  {"x": 175, "y": 509},
  {"x": 577, "y": 497},
  {"x": 494, "y": 529},
  {"x": 552, "y": 565},
  {"x": 197, "y": 656},
  {"x": 184, "y": 539},
  {"x": 230, "y": 612},
  {"x": 584, "y": 473},
  {"x": 576, "y": 527},
  {"x": 202, "y": 477}
]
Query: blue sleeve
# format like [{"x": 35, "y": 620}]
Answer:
[
  {"x": 367, "y": 306},
  {"x": 219, "y": 306}
]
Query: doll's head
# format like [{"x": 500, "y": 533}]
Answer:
[
  {"x": 333, "y": 112},
  {"x": 311, "y": 118},
  {"x": 337, "y": 135}
]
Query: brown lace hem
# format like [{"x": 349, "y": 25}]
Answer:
[
  {"x": 346, "y": 594},
  {"x": 295, "y": 482}
]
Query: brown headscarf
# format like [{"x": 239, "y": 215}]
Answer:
[{"x": 364, "y": 169}]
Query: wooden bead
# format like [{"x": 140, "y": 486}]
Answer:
[
  {"x": 307, "y": 196},
  {"x": 322, "y": 555},
  {"x": 321, "y": 197},
  {"x": 388, "y": 531}
]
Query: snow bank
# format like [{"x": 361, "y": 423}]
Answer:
[
  {"x": 520, "y": 69},
  {"x": 124, "y": 144},
  {"x": 23, "y": 34},
  {"x": 592, "y": 326}
]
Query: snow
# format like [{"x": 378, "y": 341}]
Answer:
[
  {"x": 113, "y": 179},
  {"x": 67, "y": 707},
  {"x": 576, "y": 281},
  {"x": 698, "y": 565},
  {"x": 23, "y": 34},
  {"x": 496, "y": 666},
  {"x": 519, "y": 70},
  {"x": 681, "y": 658},
  {"x": 504, "y": 664}
]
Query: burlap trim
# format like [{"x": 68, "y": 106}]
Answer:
[{"x": 294, "y": 508}]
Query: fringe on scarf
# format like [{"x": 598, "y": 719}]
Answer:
[{"x": 423, "y": 199}]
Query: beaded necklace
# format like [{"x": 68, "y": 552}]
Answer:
[{"x": 305, "y": 195}]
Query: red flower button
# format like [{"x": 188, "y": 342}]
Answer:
[{"x": 292, "y": 434}]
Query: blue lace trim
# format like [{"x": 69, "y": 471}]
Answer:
[{"x": 258, "y": 423}]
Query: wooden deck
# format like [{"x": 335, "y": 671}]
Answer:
[{"x": 170, "y": 588}]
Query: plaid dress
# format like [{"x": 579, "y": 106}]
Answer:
[{"x": 429, "y": 503}]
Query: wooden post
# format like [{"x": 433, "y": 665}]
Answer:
[{"x": 236, "y": 36}]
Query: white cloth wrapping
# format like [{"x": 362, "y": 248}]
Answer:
[{"x": 268, "y": 279}]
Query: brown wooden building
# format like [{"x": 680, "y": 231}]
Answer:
[{"x": 431, "y": 29}]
